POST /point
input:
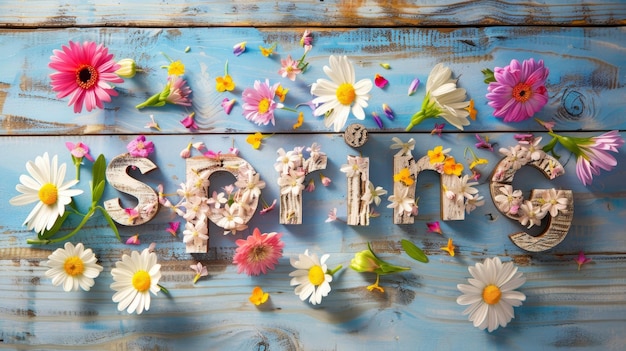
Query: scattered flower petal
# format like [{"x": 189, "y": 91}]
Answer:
[
  {"x": 449, "y": 248},
  {"x": 388, "y": 112},
  {"x": 189, "y": 122},
  {"x": 239, "y": 48},
  {"x": 173, "y": 228},
  {"x": 227, "y": 105},
  {"x": 413, "y": 86},
  {"x": 380, "y": 81},
  {"x": 255, "y": 140},
  {"x": 200, "y": 270},
  {"x": 133, "y": 240},
  {"x": 582, "y": 259},
  {"x": 434, "y": 227},
  {"x": 385, "y": 65},
  {"x": 258, "y": 297}
]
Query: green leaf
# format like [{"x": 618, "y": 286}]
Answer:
[
  {"x": 55, "y": 228},
  {"x": 110, "y": 221},
  {"x": 488, "y": 74},
  {"x": 99, "y": 169},
  {"x": 413, "y": 251},
  {"x": 97, "y": 192}
]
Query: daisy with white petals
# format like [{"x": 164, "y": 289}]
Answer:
[
  {"x": 491, "y": 293},
  {"x": 311, "y": 277},
  {"x": 337, "y": 96},
  {"x": 135, "y": 277},
  {"x": 443, "y": 99},
  {"x": 73, "y": 267},
  {"x": 47, "y": 188}
]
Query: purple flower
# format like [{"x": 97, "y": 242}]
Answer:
[
  {"x": 519, "y": 90},
  {"x": 388, "y": 112},
  {"x": 239, "y": 49},
  {"x": 483, "y": 143},
  {"x": 582, "y": 259},
  {"x": 379, "y": 122},
  {"x": 413, "y": 87},
  {"x": 594, "y": 155},
  {"x": 140, "y": 147}
]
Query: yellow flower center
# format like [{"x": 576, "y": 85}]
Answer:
[
  {"x": 48, "y": 194},
  {"x": 86, "y": 76},
  {"x": 522, "y": 92},
  {"x": 74, "y": 266},
  {"x": 346, "y": 94},
  {"x": 176, "y": 68},
  {"x": 316, "y": 275},
  {"x": 491, "y": 294},
  {"x": 141, "y": 281},
  {"x": 264, "y": 105}
]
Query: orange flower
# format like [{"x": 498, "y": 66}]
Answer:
[
  {"x": 298, "y": 124},
  {"x": 224, "y": 83},
  {"x": 281, "y": 93},
  {"x": 451, "y": 167},
  {"x": 255, "y": 140},
  {"x": 436, "y": 155},
  {"x": 472, "y": 111},
  {"x": 267, "y": 51},
  {"x": 449, "y": 248},
  {"x": 404, "y": 176},
  {"x": 258, "y": 297}
]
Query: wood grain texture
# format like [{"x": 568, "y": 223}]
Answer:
[
  {"x": 565, "y": 307},
  {"x": 585, "y": 87},
  {"x": 582, "y": 43},
  {"x": 343, "y": 13}
]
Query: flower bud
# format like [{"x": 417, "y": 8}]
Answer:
[{"x": 128, "y": 68}]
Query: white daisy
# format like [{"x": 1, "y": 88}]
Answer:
[
  {"x": 73, "y": 267},
  {"x": 311, "y": 277},
  {"x": 491, "y": 294},
  {"x": 46, "y": 187},
  {"x": 134, "y": 277},
  {"x": 340, "y": 94}
]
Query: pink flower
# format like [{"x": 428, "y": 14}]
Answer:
[
  {"x": 132, "y": 214},
  {"x": 310, "y": 187},
  {"x": 140, "y": 147},
  {"x": 519, "y": 90},
  {"x": 380, "y": 81},
  {"x": 413, "y": 86},
  {"x": 173, "y": 228},
  {"x": 227, "y": 105},
  {"x": 189, "y": 122},
  {"x": 325, "y": 180},
  {"x": 289, "y": 68},
  {"x": 79, "y": 150},
  {"x": 258, "y": 253},
  {"x": 259, "y": 104},
  {"x": 483, "y": 143},
  {"x": 178, "y": 91},
  {"x": 307, "y": 39},
  {"x": 200, "y": 270},
  {"x": 581, "y": 259},
  {"x": 133, "y": 240},
  {"x": 84, "y": 71},
  {"x": 434, "y": 227},
  {"x": 332, "y": 215},
  {"x": 267, "y": 208},
  {"x": 594, "y": 155},
  {"x": 438, "y": 129}
]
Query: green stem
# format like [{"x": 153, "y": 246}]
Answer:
[
  {"x": 151, "y": 101},
  {"x": 289, "y": 109},
  {"x": 226, "y": 68},
  {"x": 77, "y": 164},
  {"x": 66, "y": 237},
  {"x": 163, "y": 289},
  {"x": 334, "y": 270},
  {"x": 416, "y": 119}
]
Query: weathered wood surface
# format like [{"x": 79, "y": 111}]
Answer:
[
  {"x": 565, "y": 308},
  {"x": 343, "y": 13},
  {"x": 585, "y": 87}
]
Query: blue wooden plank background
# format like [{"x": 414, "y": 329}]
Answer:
[{"x": 565, "y": 308}]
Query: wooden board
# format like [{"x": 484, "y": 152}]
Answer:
[{"x": 565, "y": 308}]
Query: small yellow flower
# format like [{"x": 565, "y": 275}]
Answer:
[
  {"x": 449, "y": 248},
  {"x": 267, "y": 51},
  {"x": 451, "y": 167},
  {"x": 255, "y": 140},
  {"x": 258, "y": 297},
  {"x": 478, "y": 161},
  {"x": 176, "y": 68},
  {"x": 436, "y": 155},
  {"x": 281, "y": 93},
  {"x": 404, "y": 176},
  {"x": 472, "y": 111},
  {"x": 224, "y": 83},
  {"x": 298, "y": 124}
]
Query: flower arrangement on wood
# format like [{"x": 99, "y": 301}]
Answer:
[
  {"x": 46, "y": 186},
  {"x": 517, "y": 91},
  {"x": 85, "y": 72},
  {"x": 491, "y": 293},
  {"x": 443, "y": 99},
  {"x": 134, "y": 278},
  {"x": 258, "y": 253},
  {"x": 73, "y": 267},
  {"x": 367, "y": 261},
  {"x": 341, "y": 94},
  {"x": 312, "y": 277}
]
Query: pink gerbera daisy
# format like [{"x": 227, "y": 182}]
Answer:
[
  {"x": 258, "y": 253},
  {"x": 259, "y": 104},
  {"x": 84, "y": 72},
  {"x": 519, "y": 90}
]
